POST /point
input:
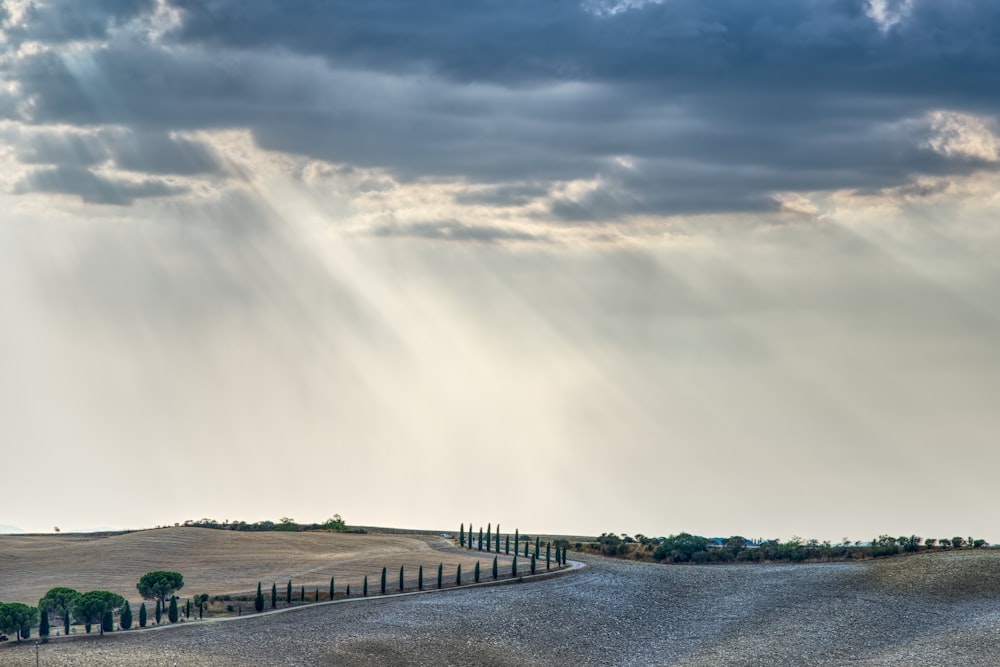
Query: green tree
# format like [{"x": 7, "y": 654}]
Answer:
[
  {"x": 159, "y": 585},
  {"x": 108, "y": 621},
  {"x": 532, "y": 563},
  {"x": 487, "y": 537},
  {"x": 383, "y": 580},
  {"x": 440, "y": 574},
  {"x": 331, "y": 588},
  {"x": 401, "y": 579},
  {"x": 172, "y": 609},
  {"x": 158, "y": 614},
  {"x": 548, "y": 554},
  {"x": 498, "y": 538},
  {"x": 366, "y": 586},
  {"x": 461, "y": 535},
  {"x": 274, "y": 595},
  {"x": 513, "y": 565},
  {"x": 288, "y": 592},
  {"x": 526, "y": 547},
  {"x": 480, "y": 539},
  {"x": 43, "y": 625},
  {"x": 538, "y": 544},
  {"x": 93, "y": 605},
  {"x": 258, "y": 601},
  {"x": 335, "y": 523},
  {"x": 458, "y": 575},
  {"x": 517, "y": 539},
  {"x": 59, "y": 603},
  {"x": 495, "y": 568},
  {"x": 302, "y": 593},
  {"x": 420, "y": 578},
  {"x": 125, "y": 620},
  {"x": 678, "y": 548},
  {"x": 477, "y": 572},
  {"x": 142, "y": 615},
  {"x": 506, "y": 544},
  {"x": 16, "y": 618}
]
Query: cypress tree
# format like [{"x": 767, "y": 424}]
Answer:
[
  {"x": 159, "y": 612},
  {"x": 172, "y": 609},
  {"x": 366, "y": 586},
  {"x": 458, "y": 575},
  {"x": 316, "y": 595},
  {"x": 498, "y": 538},
  {"x": 201, "y": 609},
  {"x": 477, "y": 572},
  {"x": 43, "y": 624},
  {"x": 468, "y": 543},
  {"x": 480, "y": 539},
  {"x": 187, "y": 608},
  {"x": 513, "y": 566},
  {"x": 274, "y": 595},
  {"x": 142, "y": 615},
  {"x": 302, "y": 594},
  {"x": 288, "y": 592},
  {"x": 487, "y": 537},
  {"x": 86, "y": 627},
  {"x": 506, "y": 544},
  {"x": 258, "y": 602},
  {"x": 383, "y": 581},
  {"x": 517, "y": 539},
  {"x": 347, "y": 591},
  {"x": 440, "y": 574},
  {"x": 420, "y": 578},
  {"x": 107, "y": 621},
  {"x": 401, "y": 579},
  {"x": 331, "y": 588},
  {"x": 125, "y": 620},
  {"x": 532, "y": 563},
  {"x": 548, "y": 554},
  {"x": 461, "y": 535},
  {"x": 538, "y": 543},
  {"x": 495, "y": 572},
  {"x": 526, "y": 548},
  {"x": 563, "y": 552}
]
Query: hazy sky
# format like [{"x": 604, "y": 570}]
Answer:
[{"x": 574, "y": 266}]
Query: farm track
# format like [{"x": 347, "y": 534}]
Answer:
[{"x": 931, "y": 609}]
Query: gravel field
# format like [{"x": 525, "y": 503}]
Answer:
[{"x": 933, "y": 609}]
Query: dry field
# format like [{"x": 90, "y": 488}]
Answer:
[
  {"x": 928, "y": 609},
  {"x": 221, "y": 562}
]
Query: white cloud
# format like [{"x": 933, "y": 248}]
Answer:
[{"x": 963, "y": 135}]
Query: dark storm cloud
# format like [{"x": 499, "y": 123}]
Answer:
[
  {"x": 92, "y": 187},
  {"x": 717, "y": 104},
  {"x": 161, "y": 154},
  {"x": 56, "y": 21}
]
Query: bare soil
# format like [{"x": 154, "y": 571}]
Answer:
[{"x": 931, "y": 609}]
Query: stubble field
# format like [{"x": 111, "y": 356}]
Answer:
[{"x": 928, "y": 609}]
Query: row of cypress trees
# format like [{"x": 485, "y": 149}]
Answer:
[{"x": 467, "y": 541}]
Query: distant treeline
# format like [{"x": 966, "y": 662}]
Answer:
[
  {"x": 688, "y": 548},
  {"x": 334, "y": 523}
]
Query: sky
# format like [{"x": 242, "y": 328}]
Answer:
[{"x": 578, "y": 266}]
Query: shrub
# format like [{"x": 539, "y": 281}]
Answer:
[{"x": 125, "y": 620}]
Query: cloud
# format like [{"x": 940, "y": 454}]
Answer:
[
  {"x": 58, "y": 21},
  {"x": 717, "y": 105},
  {"x": 449, "y": 230},
  {"x": 94, "y": 188}
]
